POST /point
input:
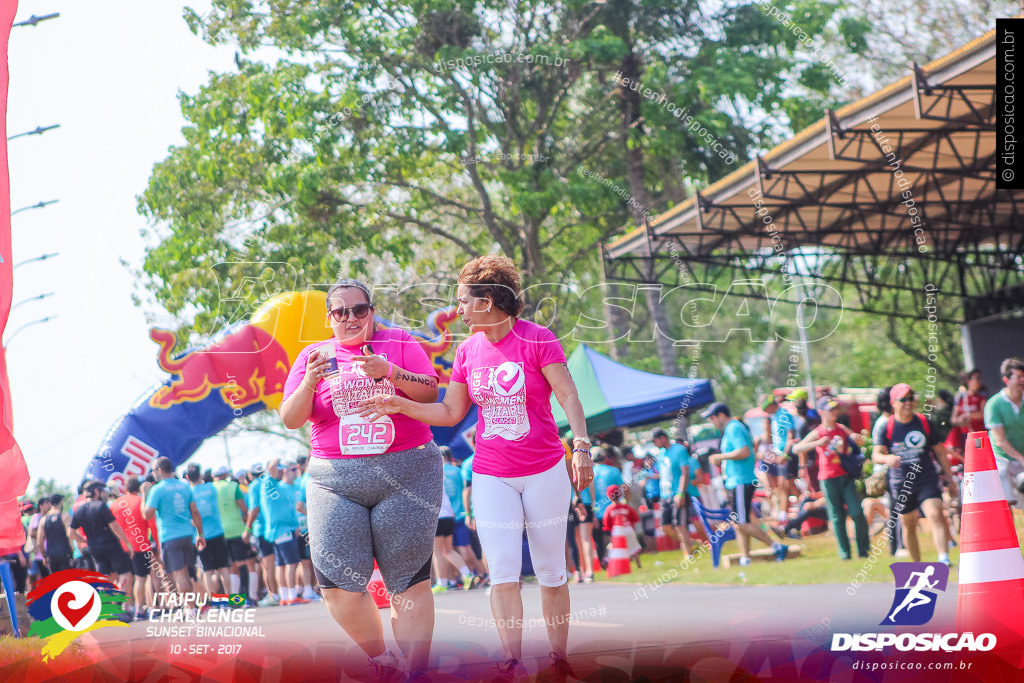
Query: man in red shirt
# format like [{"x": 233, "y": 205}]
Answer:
[
  {"x": 830, "y": 440},
  {"x": 127, "y": 511}
]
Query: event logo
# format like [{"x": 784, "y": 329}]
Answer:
[
  {"x": 72, "y": 602},
  {"x": 916, "y": 586},
  {"x": 915, "y": 439}
]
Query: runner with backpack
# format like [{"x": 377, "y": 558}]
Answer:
[{"x": 910, "y": 449}]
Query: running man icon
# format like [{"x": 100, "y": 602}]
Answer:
[
  {"x": 915, "y": 598},
  {"x": 918, "y": 586}
]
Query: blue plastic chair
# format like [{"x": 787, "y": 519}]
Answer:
[
  {"x": 7, "y": 578},
  {"x": 711, "y": 519}
]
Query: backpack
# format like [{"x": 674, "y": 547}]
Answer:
[
  {"x": 852, "y": 461},
  {"x": 891, "y": 425}
]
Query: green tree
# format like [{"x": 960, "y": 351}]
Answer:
[
  {"x": 48, "y": 487},
  {"x": 394, "y": 128}
]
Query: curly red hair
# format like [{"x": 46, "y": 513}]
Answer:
[{"x": 496, "y": 277}]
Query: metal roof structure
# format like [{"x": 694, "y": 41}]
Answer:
[{"x": 886, "y": 195}]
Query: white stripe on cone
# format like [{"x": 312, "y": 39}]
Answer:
[
  {"x": 982, "y": 487},
  {"x": 983, "y": 566},
  {"x": 618, "y": 554}
]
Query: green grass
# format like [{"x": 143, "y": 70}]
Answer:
[{"x": 818, "y": 563}]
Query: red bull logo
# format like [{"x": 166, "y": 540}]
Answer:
[{"x": 247, "y": 367}]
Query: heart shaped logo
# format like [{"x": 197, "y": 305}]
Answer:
[
  {"x": 72, "y": 614},
  {"x": 508, "y": 379},
  {"x": 76, "y": 606}
]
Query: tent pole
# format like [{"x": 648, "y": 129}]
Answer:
[{"x": 812, "y": 396}]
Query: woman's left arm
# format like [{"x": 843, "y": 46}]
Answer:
[
  {"x": 420, "y": 388},
  {"x": 557, "y": 375}
]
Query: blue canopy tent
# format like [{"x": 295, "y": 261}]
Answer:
[
  {"x": 616, "y": 395},
  {"x": 612, "y": 394}
]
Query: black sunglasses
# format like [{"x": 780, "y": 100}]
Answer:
[{"x": 359, "y": 311}]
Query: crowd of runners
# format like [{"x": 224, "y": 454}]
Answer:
[{"x": 377, "y": 494}]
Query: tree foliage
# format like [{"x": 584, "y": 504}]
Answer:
[{"x": 436, "y": 131}]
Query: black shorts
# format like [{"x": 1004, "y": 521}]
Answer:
[
  {"x": 215, "y": 555},
  {"x": 909, "y": 498},
  {"x": 178, "y": 554},
  {"x": 740, "y": 500},
  {"x": 111, "y": 560},
  {"x": 303, "y": 540},
  {"x": 266, "y": 548},
  {"x": 445, "y": 527},
  {"x": 58, "y": 564},
  {"x": 140, "y": 564},
  {"x": 673, "y": 515},
  {"x": 239, "y": 550},
  {"x": 585, "y": 517},
  {"x": 86, "y": 560}
]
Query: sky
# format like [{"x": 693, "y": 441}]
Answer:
[{"x": 109, "y": 73}]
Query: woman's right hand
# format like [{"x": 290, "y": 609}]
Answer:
[
  {"x": 388, "y": 404},
  {"x": 316, "y": 365}
]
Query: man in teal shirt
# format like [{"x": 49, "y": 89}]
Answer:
[
  {"x": 214, "y": 557},
  {"x": 737, "y": 459},
  {"x": 1005, "y": 422},
  {"x": 606, "y": 473},
  {"x": 278, "y": 498},
  {"x": 675, "y": 500},
  {"x": 170, "y": 500},
  {"x": 305, "y": 575},
  {"x": 233, "y": 511},
  {"x": 256, "y": 525}
]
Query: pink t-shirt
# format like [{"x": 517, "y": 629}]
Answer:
[
  {"x": 341, "y": 394},
  {"x": 516, "y": 433}
]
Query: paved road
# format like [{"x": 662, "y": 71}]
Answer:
[{"x": 615, "y": 625}]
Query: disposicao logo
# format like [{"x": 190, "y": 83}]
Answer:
[
  {"x": 914, "y": 603},
  {"x": 72, "y": 602},
  {"x": 917, "y": 588}
]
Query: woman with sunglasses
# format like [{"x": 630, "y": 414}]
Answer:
[
  {"x": 509, "y": 368},
  {"x": 374, "y": 486}
]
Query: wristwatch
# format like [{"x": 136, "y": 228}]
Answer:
[{"x": 584, "y": 439}]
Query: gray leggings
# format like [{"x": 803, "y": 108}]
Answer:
[{"x": 378, "y": 506}]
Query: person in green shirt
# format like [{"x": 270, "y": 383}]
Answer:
[
  {"x": 1005, "y": 422},
  {"x": 233, "y": 511}
]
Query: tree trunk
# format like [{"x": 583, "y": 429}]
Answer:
[{"x": 632, "y": 139}]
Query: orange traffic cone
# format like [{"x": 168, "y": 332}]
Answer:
[
  {"x": 990, "y": 597},
  {"x": 618, "y": 554},
  {"x": 377, "y": 588}
]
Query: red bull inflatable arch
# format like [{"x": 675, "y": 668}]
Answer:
[{"x": 240, "y": 372}]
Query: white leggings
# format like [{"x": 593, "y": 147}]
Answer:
[{"x": 501, "y": 505}]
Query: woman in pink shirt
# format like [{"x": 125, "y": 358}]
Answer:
[
  {"x": 509, "y": 368},
  {"x": 375, "y": 486}
]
